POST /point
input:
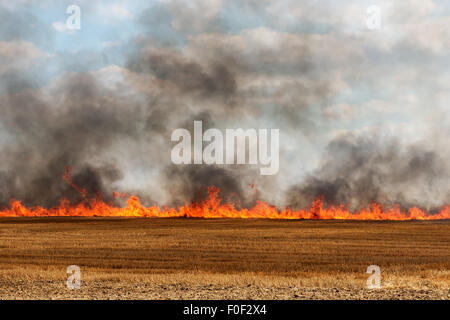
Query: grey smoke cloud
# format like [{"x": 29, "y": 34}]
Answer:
[
  {"x": 359, "y": 170},
  {"x": 112, "y": 123}
]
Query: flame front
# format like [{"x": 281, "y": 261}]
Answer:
[{"x": 213, "y": 208}]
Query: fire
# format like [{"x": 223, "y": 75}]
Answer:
[{"x": 213, "y": 208}]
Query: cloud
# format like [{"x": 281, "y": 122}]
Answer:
[
  {"x": 187, "y": 17},
  {"x": 59, "y": 26},
  {"x": 19, "y": 56},
  {"x": 114, "y": 11},
  {"x": 62, "y": 27}
]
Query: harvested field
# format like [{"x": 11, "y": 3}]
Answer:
[{"x": 126, "y": 258}]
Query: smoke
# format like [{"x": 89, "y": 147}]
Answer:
[
  {"x": 185, "y": 75},
  {"x": 113, "y": 125},
  {"x": 50, "y": 133},
  {"x": 359, "y": 170},
  {"x": 82, "y": 121}
]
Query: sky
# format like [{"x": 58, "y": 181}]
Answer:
[{"x": 362, "y": 112}]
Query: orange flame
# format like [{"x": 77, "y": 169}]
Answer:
[
  {"x": 66, "y": 176},
  {"x": 213, "y": 208}
]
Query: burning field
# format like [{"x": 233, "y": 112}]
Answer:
[
  {"x": 125, "y": 258},
  {"x": 138, "y": 252},
  {"x": 224, "y": 149},
  {"x": 213, "y": 208}
]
